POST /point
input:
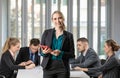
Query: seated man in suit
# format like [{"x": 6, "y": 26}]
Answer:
[
  {"x": 88, "y": 57},
  {"x": 29, "y": 54}
]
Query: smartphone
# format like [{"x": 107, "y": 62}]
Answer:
[{"x": 45, "y": 47}]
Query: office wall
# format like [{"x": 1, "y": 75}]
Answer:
[
  {"x": 3, "y": 22},
  {"x": 0, "y": 23},
  {"x": 115, "y": 20}
]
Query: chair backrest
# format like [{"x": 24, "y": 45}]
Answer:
[
  {"x": 119, "y": 68},
  {"x": 1, "y": 76},
  {"x": 102, "y": 61}
]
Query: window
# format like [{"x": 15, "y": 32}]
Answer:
[{"x": 33, "y": 12}]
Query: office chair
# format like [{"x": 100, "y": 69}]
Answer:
[
  {"x": 102, "y": 61},
  {"x": 119, "y": 68},
  {"x": 2, "y": 76}
]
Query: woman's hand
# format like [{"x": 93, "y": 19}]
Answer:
[
  {"x": 29, "y": 62},
  {"x": 55, "y": 52},
  {"x": 100, "y": 76},
  {"x": 22, "y": 64},
  {"x": 30, "y": 66},
  {"x": 26, "y": 63},
  {"x": 46, "y": 50}
]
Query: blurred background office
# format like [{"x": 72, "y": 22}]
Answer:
[{"x": 97, "y": 20}]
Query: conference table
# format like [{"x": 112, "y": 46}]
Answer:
[{"x": 37, "y": 72}]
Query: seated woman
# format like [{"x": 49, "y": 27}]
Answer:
[
  {"x": 110, "y": 68},
  {"x": 7, "y": 66}
]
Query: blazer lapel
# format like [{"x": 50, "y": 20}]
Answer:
[
  {"x": 28, "y": 53},
  {"x": 50, "y": 37},
  {"x": 11, "y": 57},
  {"x": 87, "y": 53},
  {"x": 64, "y": 37}
]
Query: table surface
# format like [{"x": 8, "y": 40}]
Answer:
[{"x": 38, "y": 73}]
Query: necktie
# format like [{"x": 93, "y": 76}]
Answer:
[
  {"x": 31, "y": 57},
  {"x": 82, "y": 58}
]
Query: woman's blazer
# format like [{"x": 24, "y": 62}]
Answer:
[
  {"x": 7, "y": 65},
  {"x": 109, "y": 69},
  {"x": 67, "y": 46}
]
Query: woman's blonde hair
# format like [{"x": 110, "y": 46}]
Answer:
[
  {"x": 10, "y": 41},
  {"x": 61, "y": 14}
]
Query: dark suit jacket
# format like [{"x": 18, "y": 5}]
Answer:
[
  {"x": 24, "y": 55},
  {"x": 110, "y": 69},
  {"x": 91, "y": 61},
  {"x": 7, "y": 65},
  {"x": 67, "y": 47}
]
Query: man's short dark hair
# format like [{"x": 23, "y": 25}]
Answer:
[
  {"x": 34, "y": 41},
  {"x": 83, "y": 39}
]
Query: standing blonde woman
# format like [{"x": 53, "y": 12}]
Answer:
[
  {"x": 7, "y": 66},
  {"x": 60, "y": 48}
]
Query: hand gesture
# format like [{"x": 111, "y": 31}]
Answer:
[
  {"x": 22, "y": 64},
  {"x": 45, "y": 49},
  {"x": 77, "y": 68},
  {"x": 81, "y": 69},
  {"x": 100, "y": 76},
  {"x": 29, "y": 62},
  {"x": 55, "y": 52},
  {"x": 30, "y": 66}
]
